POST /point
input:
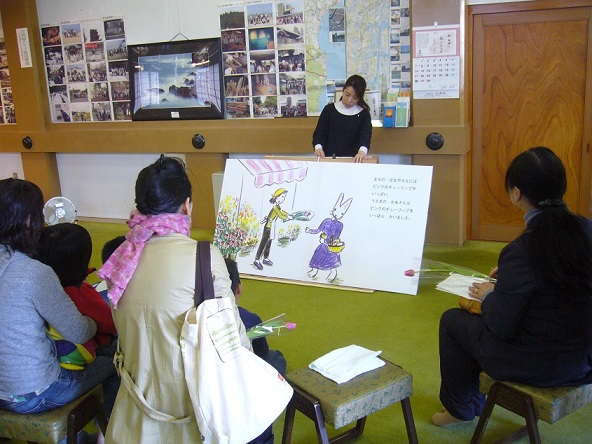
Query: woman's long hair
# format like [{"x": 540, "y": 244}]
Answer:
[
  {"x": 560, "y": 242},
  {"x": 163, "y": 186},
  {"x": 21, "y": 216},
  {"x": 358, "y": 83}
]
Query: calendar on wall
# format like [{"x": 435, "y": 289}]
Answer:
[{"x": 436, "y": 62}]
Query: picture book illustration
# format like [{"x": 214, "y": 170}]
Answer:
[
  {"x": 330, "y": 223},
  {"x": 327, "y": 254}
]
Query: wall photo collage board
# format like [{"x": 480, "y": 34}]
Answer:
[{"x": 87, "y": 70}]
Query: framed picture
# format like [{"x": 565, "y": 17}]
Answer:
[{"x": 176, "y": 80}]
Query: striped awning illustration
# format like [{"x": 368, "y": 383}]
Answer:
[{"x": 274, "y": 171}]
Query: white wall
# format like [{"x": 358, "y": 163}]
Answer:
[
  {"x": 146, "y": 21},
  {"x": 101, "y": 185},
  {"x": 10, "y": 163}
]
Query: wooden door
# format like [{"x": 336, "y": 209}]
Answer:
[{"x": 530, "y": 71}]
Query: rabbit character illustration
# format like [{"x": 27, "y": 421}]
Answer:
[{"x": 327, "y": 255}]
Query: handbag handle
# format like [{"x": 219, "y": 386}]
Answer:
[{"x": 204, "y": 285}]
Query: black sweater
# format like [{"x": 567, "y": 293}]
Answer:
[{"x": 342, "y": 135}]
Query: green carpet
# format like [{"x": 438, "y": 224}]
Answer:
[{"x": 404, "y": 327}]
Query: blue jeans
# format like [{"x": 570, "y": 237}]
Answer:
[{"x": 70, "y": 385}]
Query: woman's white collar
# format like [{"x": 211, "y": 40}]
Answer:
[{"x": 339, "y": 106}]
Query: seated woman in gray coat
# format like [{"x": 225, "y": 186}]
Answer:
[{"x": 31, "y": 297}]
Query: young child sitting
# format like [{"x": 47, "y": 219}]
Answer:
[
  {"x": 275, "y": 358},
  {"x": 67, "y": 249},
  {"x": 108, "y": 249}
]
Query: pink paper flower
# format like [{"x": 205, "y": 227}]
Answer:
[
  {"x": 290, "y": 326},
  {"x": 410, "y": 273}
]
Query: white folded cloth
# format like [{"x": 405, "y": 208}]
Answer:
[{"x": 346, "y": 363}]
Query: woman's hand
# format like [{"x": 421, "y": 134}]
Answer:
[
  {"x": 360, "y": 157},
  {"x": 493, "y": 273},
  {"x": 480, "y": 289},
  {"x": 320, "y": 153}
]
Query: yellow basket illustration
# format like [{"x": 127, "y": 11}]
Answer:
[{"x": 336, "y": 246}]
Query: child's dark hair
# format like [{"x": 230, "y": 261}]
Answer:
[
  {"x": 163, "y": 186},
  {"x": 110, "y": 247},
  {"x": 232, "y": 267},
  {"x": 67, "y": 249},
  {"x": 559, "y": 241},
  {"x": 358, "y": 83},
  {"x": 21, "y": 215}
]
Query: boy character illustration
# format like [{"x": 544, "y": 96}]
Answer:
[
  {"x": 269, "y": 229},
  {"x": 327, "y": 255}
]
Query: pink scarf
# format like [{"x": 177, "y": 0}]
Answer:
[{"x": 120, "y": 267}]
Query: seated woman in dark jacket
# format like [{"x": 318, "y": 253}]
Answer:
[{"x": 536, "y": 326}]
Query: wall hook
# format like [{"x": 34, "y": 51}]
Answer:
[
  {"x": 28, "y": 142},
  {"x": 435, "y": 141},
  {"x": 198, "y": 141}
]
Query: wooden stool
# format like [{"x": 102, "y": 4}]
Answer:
[
  {"x": 532, "y": 403},
  {"x": 53, "y": 425},
  {"x": 325, "y": 401}
]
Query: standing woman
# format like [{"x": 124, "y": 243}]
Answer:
[
  {"x": 31, "y": 297},
  {"x": 344, "y": 128},
  {"x": 151, "y": 278},
  {"x": 536, "y": 326}
]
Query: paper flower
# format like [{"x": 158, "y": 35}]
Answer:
[
  {"x": 272, "y": 326},
  {"x": 441, "y": 270}
]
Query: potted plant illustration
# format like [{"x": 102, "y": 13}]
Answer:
[
  {"x": 290, "y": 234},
  {"x": 235, "y": 225},
  {"x": 283, "y": 237},
  {"x": 294, "y": 231},
  {"x": 249, "y": 245}
]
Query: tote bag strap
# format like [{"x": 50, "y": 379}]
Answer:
[
  {"x": 204, "y": 285},
  {"x": 139, "y": 399}
]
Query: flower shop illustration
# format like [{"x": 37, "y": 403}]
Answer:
[{"x": 241, "y": 230}]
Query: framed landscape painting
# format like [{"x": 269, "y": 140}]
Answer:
[{"x": 178, "y": 80}]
